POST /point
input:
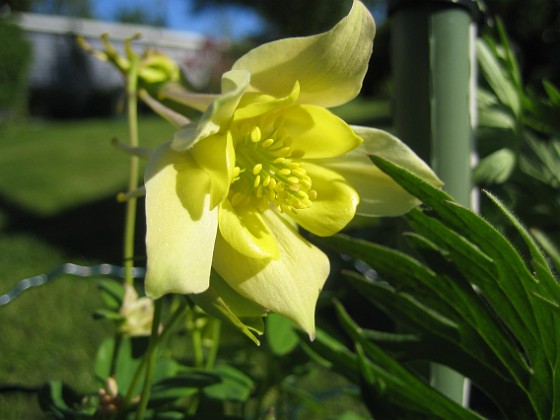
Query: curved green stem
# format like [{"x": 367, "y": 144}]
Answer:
[
  {"x": 131, "y": 204},
  {"x": 151, "y": 358}
]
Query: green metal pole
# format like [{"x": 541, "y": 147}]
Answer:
[{"x": 433, "y": 62}]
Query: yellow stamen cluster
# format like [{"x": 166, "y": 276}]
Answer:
[{"x": 269, "y": 172}]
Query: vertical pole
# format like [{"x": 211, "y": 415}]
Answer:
[{"x": 433, "y": 71}]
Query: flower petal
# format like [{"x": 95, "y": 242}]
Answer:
[
  {"x": 330, "y": 66},
  {"x": 318, "y": 132},
  {"x": 220, "y": 112},
  {"x": 379, "y": 194},
  {"x": 335, "y": 205},
  {"x": 246, "y": 232},
  {"x": 181, "y": 229},
  {"x": 289, "y": 286},
  {"x": 216, "y": 156},
  {"x": 240, "y": 305},
  {"x": 254, "y": 104}
]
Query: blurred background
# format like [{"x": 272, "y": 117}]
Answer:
[{"x": 59, "y": 109}]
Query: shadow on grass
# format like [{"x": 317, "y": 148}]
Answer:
[{"x": 93, "y": 230}]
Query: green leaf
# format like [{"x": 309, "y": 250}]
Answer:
[
  {"x": 509, "y": 58},
  {"x": 124, "y": 365},
  {"x": 62, "y": 402},
  {"x": 112, "y": 293},
  {"x": 550, "y": 248},
  {"x": 496, "y": 168},
  {"x": 495, "y": 118},
  {"x": 552, "y": 92},
  {"x": 393, "y": 385},
  {"x": 281, "y": 334},
  {"x": 329, "y": 352},
  {"x": 170, "y": 389},
  {"x": 234, "y": 385},
  {"x": 504, "y": 89},
  {"x": 107, "y": 314},
  {"x": 511, "y": 295}
]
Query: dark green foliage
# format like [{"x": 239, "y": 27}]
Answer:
[
  {"x": 468, "y": 300},
  {"x": 518, "y": 138}
]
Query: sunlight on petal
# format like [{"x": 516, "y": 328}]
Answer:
[
  {"x": 216, "y": 156},
  {"x": 289, "y": 286},
  {"x": 246, "y": 232},
  {"x": 330, "y": 66},
  {"x": 255, "y": 104},
  {"x": 219, "y": 114},
  {"x": 180, "y": 227},
  {"x": 318, "y": 132},
  {"x": 334, "y": 207}
]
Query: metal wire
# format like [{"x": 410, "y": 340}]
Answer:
[{"x": 105, "y": 270}]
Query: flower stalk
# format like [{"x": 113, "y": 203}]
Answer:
[
  {"x": 151, "y": 358},
  {"x": 131, "y": 204}
]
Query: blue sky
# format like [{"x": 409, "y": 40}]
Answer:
[{"x": 230, "y": 22}]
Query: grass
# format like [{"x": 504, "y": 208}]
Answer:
[{"x": 57, "y": 187}]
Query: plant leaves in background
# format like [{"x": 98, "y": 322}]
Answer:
[{"x": 470, "y": 302}]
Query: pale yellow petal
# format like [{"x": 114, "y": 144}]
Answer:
[
  {"x": 244, "y": 229},
  {"x": 317, "y": 132},
  {"x": 335, "y": 205},
  {"x": 289, "y": 285},
  {"x": 218, "y": 115},
  {"x": 330, "y": 66},
  {"x": 181, "y": 229},
  {"x": 379, "y": 194},
  {"x": 216, "y": 155},
  {"x": 254, "y": 104}
]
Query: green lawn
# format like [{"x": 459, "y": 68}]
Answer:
[{"x": 57, "y": 187}]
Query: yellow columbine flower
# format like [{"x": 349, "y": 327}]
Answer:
[{"x": 266, "y": 156}]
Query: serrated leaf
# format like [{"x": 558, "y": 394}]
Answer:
[
  {"x": 531, "y": 322},
  {"x": 396, "y": 385}
]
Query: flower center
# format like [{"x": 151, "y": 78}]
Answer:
[{"x": 268, "y": 171}]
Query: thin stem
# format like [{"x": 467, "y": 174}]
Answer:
[
  {"x": 130, "y": 221},
  {"x": 197, "y": 347},
  {"x": 130, "y": 215},
  {"x": 167, "y": 328},
  {"x": 116, "y": 348},
  {"x": 213, "y": 353},
  {"x": 151, "y": 357}
]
